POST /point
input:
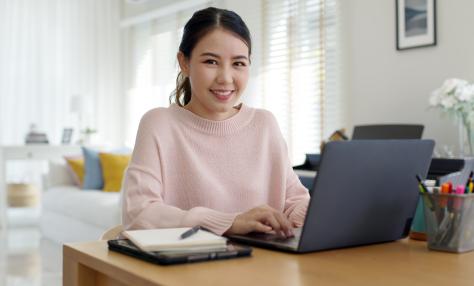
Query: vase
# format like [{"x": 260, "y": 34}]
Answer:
[{"x": 466, "y": 139}]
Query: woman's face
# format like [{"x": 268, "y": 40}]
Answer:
[{"x": 218, "y": 70}]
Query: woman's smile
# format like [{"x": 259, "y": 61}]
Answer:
[{"x": 222, "y": 94}]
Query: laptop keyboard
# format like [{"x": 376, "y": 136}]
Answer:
[{"x": 276, "y": 238}]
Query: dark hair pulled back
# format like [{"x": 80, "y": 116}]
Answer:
[{"x": 201, "y": 23}]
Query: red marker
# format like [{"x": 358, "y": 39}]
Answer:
[{"x": 450, "y": 187}]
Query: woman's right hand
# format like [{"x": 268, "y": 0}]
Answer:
[{"x": 262, "y": 219}]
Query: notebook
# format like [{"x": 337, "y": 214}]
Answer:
[{"x": 168, "y": 239}]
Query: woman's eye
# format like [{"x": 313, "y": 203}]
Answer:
[
  {"x": 240, "y": 64},
  {"x": 211, "y": 62}
]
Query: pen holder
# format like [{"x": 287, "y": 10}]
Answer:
[{"x": 449, "y": 221}]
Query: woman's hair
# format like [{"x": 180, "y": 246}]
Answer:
[{"x": 201, "y": 23}]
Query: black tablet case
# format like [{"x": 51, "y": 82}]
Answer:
[{"x": 126, "y": 247}]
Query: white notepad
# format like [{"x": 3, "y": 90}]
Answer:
[{"x": 168, "y": 239}]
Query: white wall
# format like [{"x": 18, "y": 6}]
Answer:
[
  {"x": 389, "y": 86},
  {"x": 134, "y": 9}
]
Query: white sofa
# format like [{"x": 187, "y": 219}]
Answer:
[{"x": 70, "y": 214}]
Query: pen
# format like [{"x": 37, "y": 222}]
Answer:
[
  {"x": 424, "y": 189},
  {"x": 422, "y": 186},
  {"x": 190, "y": 232}
]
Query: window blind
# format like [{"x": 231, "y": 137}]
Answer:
[{"x": 299, "y": 83}]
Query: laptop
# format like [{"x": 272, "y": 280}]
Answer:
[{"x": 365, "y": 192}]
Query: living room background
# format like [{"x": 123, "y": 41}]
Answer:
[
  {"x": 294, "y": 73},
  {"x": 63, "y": 54}
]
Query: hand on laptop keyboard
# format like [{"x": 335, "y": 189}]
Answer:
[
  {"x": 271, "y": 236},
  {"x": 263, "y": 219}
]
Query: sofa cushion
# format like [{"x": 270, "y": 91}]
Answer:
[
  {"x": 76, "y": 169},
  {"x": 58, "y": 174},
  {"x": 94, "y": 174},
  {"x": 113, "y": 167},
  {"x": 94, "y": 207},
  {"x": 93, "y": 171}
]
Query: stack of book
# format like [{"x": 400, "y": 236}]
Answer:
[{"x": 36, "y": 138}]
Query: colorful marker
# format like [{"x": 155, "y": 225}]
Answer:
[
  {"x": 458, "y": 201},
  {"x": 468, "y": 183},
  {"x": 460, "y": 189},
  {"x": 444, "y": 190}
]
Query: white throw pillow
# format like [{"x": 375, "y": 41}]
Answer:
[{"x": 58, "y": 174}]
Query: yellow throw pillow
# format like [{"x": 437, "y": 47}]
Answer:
[
  {"x": 113, "y": 167},
  {"x": 76, "y": 166}
]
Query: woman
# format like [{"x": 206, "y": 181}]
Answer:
[{"x": 207, "y": 160}]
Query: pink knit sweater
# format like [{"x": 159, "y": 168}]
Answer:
[{"x": 186, "y": 170}]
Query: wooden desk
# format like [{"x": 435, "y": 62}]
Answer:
[{"x": 399, "y": 263}]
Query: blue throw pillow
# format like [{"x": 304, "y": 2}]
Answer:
[{"x": 93, "y": 178}]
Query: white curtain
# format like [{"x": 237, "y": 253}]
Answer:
[
  {"x": 50, "y": 51},
  {"x": 150, "y": 65}
]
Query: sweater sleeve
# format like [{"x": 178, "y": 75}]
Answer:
[
  {"x": 297, "y": 199},
  {"x": 296, "y": 195},
  {"x": 143, "y": 205}
]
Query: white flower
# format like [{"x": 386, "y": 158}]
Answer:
[
  {"x": 465, "y": 93},
  {"x": 435, "y": 98},
  {"x": 455, "y": 97},
  {"x": 450, "y": 85},
  {"x": 448, "y": 102}
]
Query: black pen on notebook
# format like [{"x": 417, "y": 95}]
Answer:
[{"x": 190, "y": 232}]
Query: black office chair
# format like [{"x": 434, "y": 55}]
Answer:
[{"x": 388, "y": 131}]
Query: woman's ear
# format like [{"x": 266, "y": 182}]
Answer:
[{"x": 183, "y": 64}]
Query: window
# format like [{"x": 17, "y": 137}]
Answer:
[
  {"x": 294, "y": 69},
  {"x": 151, "y": 66},
  {"x": 299, "y": 82}
]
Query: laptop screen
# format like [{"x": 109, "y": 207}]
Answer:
[{"x": 387, "y": 131}]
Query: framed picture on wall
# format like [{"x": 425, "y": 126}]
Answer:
[
  {"x": 67, "y": 135},
  {"x": 416, "y": 23}
]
